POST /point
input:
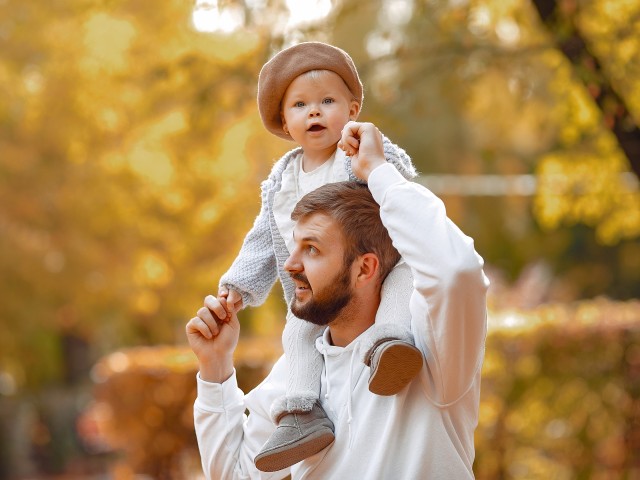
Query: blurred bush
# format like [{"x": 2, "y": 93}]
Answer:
[
  {"x": 561, "y": 393},
  {"x": 141, "y": 409},
  {"x": 143, "y": 406},
  {"x": 560, "y": 396}
]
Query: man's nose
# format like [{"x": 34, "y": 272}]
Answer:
[{"x": 292, "y": 264}]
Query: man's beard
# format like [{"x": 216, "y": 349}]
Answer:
[{"x": 325, "y": 306}]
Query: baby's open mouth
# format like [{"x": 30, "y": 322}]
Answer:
[{"x": 316, "y": 128}]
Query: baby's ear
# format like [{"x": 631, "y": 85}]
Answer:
[
  {"x": 354, "y": 110},
  {"x": 284, "y": 123}
]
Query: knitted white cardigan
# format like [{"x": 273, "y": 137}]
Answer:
[{"x": 263, "y": 252}]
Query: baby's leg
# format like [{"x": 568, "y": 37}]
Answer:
[
  {"x": 304, "y": 366},
  {"x": 393, "y": 313},
  {"x": 393, "y": 319},
  {"x": 303, "y": 428},
  {"x": 388, "y": 347}
]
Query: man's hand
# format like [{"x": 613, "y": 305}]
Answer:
[
  {"x": 363, "y": 143},
  {"x": 213, "y": 340}
]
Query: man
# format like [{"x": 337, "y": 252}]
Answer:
[{"x": 425, "y": 431}]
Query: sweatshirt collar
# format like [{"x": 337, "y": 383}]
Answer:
[{"x": 324, "y": 346}]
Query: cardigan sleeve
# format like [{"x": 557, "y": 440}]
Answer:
[{"x": 254, "y": 271}]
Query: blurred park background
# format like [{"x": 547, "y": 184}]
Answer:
[{"x": 131, "y": 153}]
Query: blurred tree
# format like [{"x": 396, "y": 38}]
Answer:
[
  {"x": 130, "y": 168},
  {"x": 131, "y": 151},
  {"x": 564, "y": 21},
  {"x": 602, "y": 45},
  {"x": 476, "y": 86}
]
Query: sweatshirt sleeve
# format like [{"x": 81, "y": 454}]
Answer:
[
  {"x": 254, "y": 271},
  {"x": 448, "y": 305},
  {"x": 228, "y": 439}
]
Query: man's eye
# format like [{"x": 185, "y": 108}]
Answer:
[{"x": 312, "y": 250}]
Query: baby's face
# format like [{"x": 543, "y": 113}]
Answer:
[{"x": 315, "y": 108}]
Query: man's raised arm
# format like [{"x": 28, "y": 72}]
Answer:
[{"x": 450, "y": 286}]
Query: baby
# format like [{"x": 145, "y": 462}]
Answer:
[{"x": 307, "y": 93}]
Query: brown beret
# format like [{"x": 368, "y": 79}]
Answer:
[{"x": 278, "y": 73}]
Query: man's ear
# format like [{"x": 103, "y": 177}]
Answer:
[{"x": 368, "y": 269}]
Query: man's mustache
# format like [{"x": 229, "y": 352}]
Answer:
[{"x": 301, "y": 277}]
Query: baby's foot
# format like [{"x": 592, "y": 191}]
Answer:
[
  {"x": 298, "y": 436},
  {"x": 394, "y": 364}
]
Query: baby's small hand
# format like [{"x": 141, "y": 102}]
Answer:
[
  {"x": 230, "y": 300},
  {"x": 349, "y": 143}
]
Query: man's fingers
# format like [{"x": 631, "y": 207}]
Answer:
[
  {"x": 227, "y": 310},
  {"x": 351, "y": 128},
  {"x": 217, "y": 306},
  {"x": 357, "y": 129},
  {"x": 207, "y": 317},
  {"x": 197, "y": 325}
]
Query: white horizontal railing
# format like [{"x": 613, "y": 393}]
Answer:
[{"x": 495, "y": 185}]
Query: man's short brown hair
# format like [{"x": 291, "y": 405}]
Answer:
[{"x": 353, "y": 207}]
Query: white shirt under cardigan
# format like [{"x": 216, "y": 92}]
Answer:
[
  {"x": 296, "y": 183},
  {"x": 424, "y": 432}
]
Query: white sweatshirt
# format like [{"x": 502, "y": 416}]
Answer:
[{"x": 424, "y": 432}]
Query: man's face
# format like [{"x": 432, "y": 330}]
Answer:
[{"x": 318, "y": 269}]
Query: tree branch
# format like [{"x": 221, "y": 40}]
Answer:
[{"x": 615, "y": 113}]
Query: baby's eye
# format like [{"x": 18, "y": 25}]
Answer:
[
  {"x": 298, "y": 104},
  {"x": 328, "y": 100}
]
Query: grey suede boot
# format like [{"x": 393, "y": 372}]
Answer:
[
  {"x": 298, "y": 436},
  {"x": 394, "y": 363}
]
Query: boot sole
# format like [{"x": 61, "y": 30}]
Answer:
[
  {"x": 285, "y": 456},
  {"x": 398, "y": 364}
]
